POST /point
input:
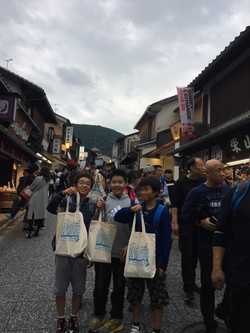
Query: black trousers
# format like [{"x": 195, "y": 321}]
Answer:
[
  {"x": 103, "y": 275},
  {"x": 240, "y": 310},
  {"x": 207, "y": 295},
  {"x": 188, "y": 244}
]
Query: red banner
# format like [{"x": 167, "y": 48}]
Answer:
[{"x": 186, "y": 106}]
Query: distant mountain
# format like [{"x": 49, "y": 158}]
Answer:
[{"x": 93, "y": 136}]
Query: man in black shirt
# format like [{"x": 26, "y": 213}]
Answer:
[
  {"x": 187, "y": 233},
  {"x": 231, "y": 253}
]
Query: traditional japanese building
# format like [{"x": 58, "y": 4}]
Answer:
[{"x": 223, "y": 130}]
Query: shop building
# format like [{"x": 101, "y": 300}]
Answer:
[
  {"x": 24, "y": 110},
  {"x": 222, "y": 131},
  {"x": 125, "y": 153}
]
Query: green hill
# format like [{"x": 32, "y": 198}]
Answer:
[{"x": 92, "y": 136}]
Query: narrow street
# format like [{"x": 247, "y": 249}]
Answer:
[{"x": 26, "y": 287}]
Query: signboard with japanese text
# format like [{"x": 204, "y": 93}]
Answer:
[
  {"x": 237, "y": 146},
  {"x": 7, "y": 109},
  {"x": 81, "y": 153},
  {"x": 69, "y": 135},
  {"x": 186, "y": 107},
  {"x": 56, "y": 146}
]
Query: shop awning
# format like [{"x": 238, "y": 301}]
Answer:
[
  {"x": 17, "y": 142},
  {"x": 226, "y": 128},
  {"x": 166, "y": 149}
]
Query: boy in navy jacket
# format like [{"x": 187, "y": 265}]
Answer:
[{"x": 157, "y": 221}]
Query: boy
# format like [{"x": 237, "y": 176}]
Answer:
[
  {"x": 72, "y": 270},
  {"x": 159, "y": 224},
  {"x": 116, "y": 200}
]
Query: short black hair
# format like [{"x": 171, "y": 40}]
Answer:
[
  {"x": 191, "y": 162},
  {"x": 45, "y": 172},
  {"x": 120, "y": 173},
  {"x": 169, "y": 171},
  {"x": 152, "y": 182},
  {"x": 85, "y": 174}
]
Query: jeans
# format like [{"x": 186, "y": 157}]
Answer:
[
  {"x": 188, "y": 244},
  {"x": 103, "y": 274},
  {"x": 240, "y": 310}
]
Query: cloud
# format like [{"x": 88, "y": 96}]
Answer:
[
  {"x": 74, "y": 76},
  {"x": 104, "y": 61}
]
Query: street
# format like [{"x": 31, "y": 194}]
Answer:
[{"x": 27, "y": 279}]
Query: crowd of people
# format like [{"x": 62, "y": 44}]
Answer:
[{"x": 205, "y": 208}]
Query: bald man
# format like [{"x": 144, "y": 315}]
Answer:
[{"x": 202, "y": 207}]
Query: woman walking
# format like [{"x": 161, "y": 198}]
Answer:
[{"x": 38, "y": 202}]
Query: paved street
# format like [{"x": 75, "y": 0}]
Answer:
[{"x": 26, "y": 287}]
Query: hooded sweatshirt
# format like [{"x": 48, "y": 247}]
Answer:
[{"x": 113, "y": 205}]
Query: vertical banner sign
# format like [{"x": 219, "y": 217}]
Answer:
[
  {"x": 81, "y": 153},
  {"x": 69, "y": 135},
  {"x": 186, "y": 106},
  {"x": 56, "y": 146}
]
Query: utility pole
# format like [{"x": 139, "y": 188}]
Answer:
[{"x": 8, "y": 61}]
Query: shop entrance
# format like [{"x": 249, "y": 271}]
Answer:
[{"x": 6, "y": 171}]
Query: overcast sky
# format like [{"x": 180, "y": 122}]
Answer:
[{"x": 103, "y": 61}]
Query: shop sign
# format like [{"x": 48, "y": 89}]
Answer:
[
  {"x": 45, "y": 144},
  {"x": 239, "y": 145},
  {"x": 56, "y": 146},
  {"x": 69, "y": 135},
  {"x": 81, "y": 153},
  {"x": 7, "y": 109},
  {"x": 186, "y": 106}
]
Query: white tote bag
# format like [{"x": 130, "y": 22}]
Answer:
[
  {"x": 71, "y": 233},
  {"x": 141, "y": 254},
  {"x": 101, "y": 239}
]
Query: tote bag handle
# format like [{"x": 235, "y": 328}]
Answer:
[
  {"x": 143, "y": 228},
  {"x": 77, "y": 203}
]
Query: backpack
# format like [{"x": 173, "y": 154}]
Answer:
[
  {"x": 158, "y": 213},
  {"x": 239, "y": 194}
]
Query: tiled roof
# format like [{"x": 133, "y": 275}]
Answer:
[{"x": 234, "y": 49}]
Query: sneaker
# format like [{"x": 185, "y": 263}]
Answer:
[
  {"x": 135, "y": 329},
  {"x": 189, "y": 298},
  {"x": 95, "y": 324},
  {"x": 61, "y": 326},
  {"x": 73, "y": 325},
  {"x": 111, "y": 326}
]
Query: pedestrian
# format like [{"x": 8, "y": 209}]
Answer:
[
  {"x": 167, "y": 187},
  {"x": 231, "y": 255},
  {"x": 38, "y": 202},
  {"x": 158, "y": 224},
  {"x": 24, "y": 181},
  {"x": 202, "y": 208},
  {"x": 72, "y": 270},
  {"x": 51, "y": 184},
  {"x": 116, "y": 200},
  {"x": 188, "y": 233}
]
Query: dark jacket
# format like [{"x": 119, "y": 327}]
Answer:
[
  {"x": 87, "y": 207},
  {"x": 234, "y": 235},
  {"x": 203, "y": 202}
]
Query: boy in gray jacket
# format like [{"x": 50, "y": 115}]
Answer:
[{"x": 116, "y": 200}]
